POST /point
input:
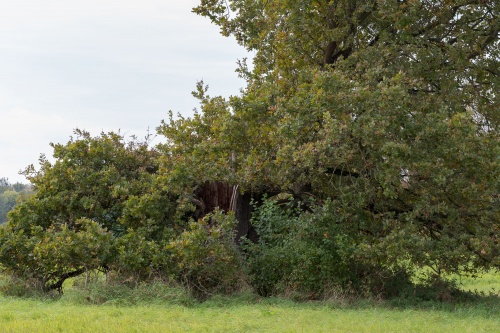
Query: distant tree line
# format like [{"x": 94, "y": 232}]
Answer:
[{"x": 9, "y": 194}]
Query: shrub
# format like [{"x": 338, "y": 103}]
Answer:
[
  {"x": 309, "y": 255},
  {"x": 137, "y": 258},
  {"x": 207, "y": 260},
  {"x": 95, "y": 207},
  {"x": 51, "y": 256},
  {"x": 297, "y": 251}
]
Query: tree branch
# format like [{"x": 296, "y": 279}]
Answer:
[{"x": 58, "y": 284}]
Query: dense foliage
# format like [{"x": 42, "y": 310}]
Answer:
[
  {"x": 99, "y": 207},
  {"x": 368, "y": 135},
  {"x": 389, "y": 110}
]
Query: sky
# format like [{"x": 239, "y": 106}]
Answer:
[{"x": 102, "y": 65}]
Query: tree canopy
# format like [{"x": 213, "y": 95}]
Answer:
[{"x": 387, "y": 108}]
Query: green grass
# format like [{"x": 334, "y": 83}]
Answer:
[
  {"x": 17, "y": 315},
  {"x": 123, "y": 311},
  {"x": 488, "y": 283}
]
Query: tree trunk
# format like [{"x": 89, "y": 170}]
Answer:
[{"x": 228, "y": 198}]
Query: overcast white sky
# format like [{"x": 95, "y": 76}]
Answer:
[{"x": 101, "y": 65}]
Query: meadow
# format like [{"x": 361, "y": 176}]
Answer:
[{"x": 177, "y": 312}]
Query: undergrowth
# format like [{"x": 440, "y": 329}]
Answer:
[{"x": 96, "y": 289}]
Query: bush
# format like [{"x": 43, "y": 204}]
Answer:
[
  {"x": 51, "y": 256},
  {"x": 297, "y": 251},
  {"x": 307, "y": 254},
  {"x": 207, "y": 260},
  {"x": 137, "y": 258},
  {"x": 95, "y": 207}
]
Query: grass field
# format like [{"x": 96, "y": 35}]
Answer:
[
  {"x": 488, "y": 283},
  {"x": 251, "y": 314},
  {"x": 37, "y": 316}
]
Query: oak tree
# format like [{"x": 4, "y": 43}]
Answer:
[{"x": 387, "y": 109}]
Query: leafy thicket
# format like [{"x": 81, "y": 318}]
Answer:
[
  {"x": 298, "y": 252},
  {"x": 368, "y": 135},
  {"x": 99, "y": 207}
]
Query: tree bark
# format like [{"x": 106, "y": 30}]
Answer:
[{"x": 228, "y": 198}]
